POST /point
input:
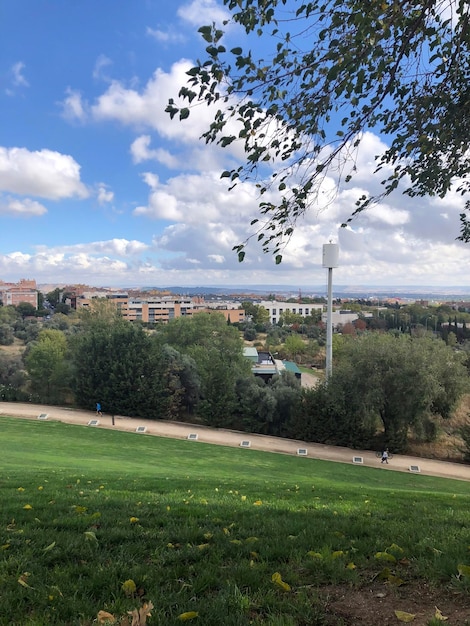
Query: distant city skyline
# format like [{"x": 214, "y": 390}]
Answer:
[{"x": 99, "y": 186}]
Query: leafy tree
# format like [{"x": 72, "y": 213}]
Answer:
[
  {"x": 6, "y": 335},
  {"x": 118, "y": 364},
  {"x": 336, "y": 69},
  {"x": 294, "y": 346},
  {"x": 54, "y": 296},
  {"x": 26, "y": 309},
  {"x": 402, "y": 380},
  {"x": 217, "y": 350},
  {"x": 12, "y": 378},
  {"x": 250, "y": 333},
  {"x": 255, "y": 406},
  {"x": 8, "y": 314},
  {"x": 47, "y": 366}
]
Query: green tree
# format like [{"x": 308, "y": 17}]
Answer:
[
  {"x": 6, "y": 335},
  {"x": 217, "y": 350},
  {"x": 12, "y": 378},
  {"x": 26, "y": 309},
  {"x": 47, "y": 367},
  {"x": 334, "y": 70},
  {"x": 130, "y": 372},
  {"x": 401, "y": 380},
  {"x": 294, "y": 346}
]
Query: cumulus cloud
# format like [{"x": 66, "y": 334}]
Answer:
[
  {"x": 141, "y": 151},
  {"x": 42, "y": 173},
  {"x": 112, "y": 247},
  {"x": 199, "y": 12},
  {"x": 104, "y": 195},
  {"x": 21, "y": 207}
]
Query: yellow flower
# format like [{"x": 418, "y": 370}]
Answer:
[
  {"x": 40, "y": 488},
  {"x": 20, "y": 488},
  {"x": 258, "y": 503},
  {"x": 134, "y": 520},
  {"x": 27, "y": 507}
]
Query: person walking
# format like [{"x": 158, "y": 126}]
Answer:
[
  {"x": 98, "y": 409},
  {"x": 385, "y": 456}
]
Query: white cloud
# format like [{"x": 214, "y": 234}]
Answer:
[
  {"x": 216, "y": 258},
  {"x": 99, "y": 71},
  {"x": 21, "y": 207},
  {"x": 18, "y": 79},
  {"x": 201, "y": 12},
  {"x": 165, "y": 36},
  {"x": 74, "y": 109},
  {"x": 112, "y": 247},
  {"x": 42, "y": 173},
  {"x": 141, "y": 151},
  {"x": 104, "y": 195}
]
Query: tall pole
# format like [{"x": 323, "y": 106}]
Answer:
[
  {"x": 329, "y": 326},
  {"x": 330, "y": 260}
]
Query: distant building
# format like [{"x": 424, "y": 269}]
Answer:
[
  {"x": 265, "y": 366},
  {"x": 23, "y": 291},
  {"x": 156, "y": 310},
  {"x": 276, "y": 308},
  {"x": 340, "y": 318}
]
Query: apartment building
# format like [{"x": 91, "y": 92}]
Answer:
[
  {"x": 276, "y": 309},
  {"x": 23, "y": 291},
  {"x": 155, "y": 310}
]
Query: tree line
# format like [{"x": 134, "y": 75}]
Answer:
[{"x": 386, "y": 386}]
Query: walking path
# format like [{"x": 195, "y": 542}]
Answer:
[{"x": 177, "y": 430}]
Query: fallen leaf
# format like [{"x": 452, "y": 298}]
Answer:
[
  {"x": 23, "y": 580},
  {"x": 405, "y": 617},
  {"x": 438, "y": 615},
  {"x": 90, "y": 536},
  {"x": 464, "y": 570},
  {"x": 385, "y": 556},
  {"x": 49, "y": 547},
  {"x": 129, "y": 587},
  {"x": 277, "y": 580},
  {"x": 104, "y": 617},
  {"x": 185, "y": 617},
  {"x": 139, "y": 616}
]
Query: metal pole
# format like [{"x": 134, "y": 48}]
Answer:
[{"x": 329, "y": 327}]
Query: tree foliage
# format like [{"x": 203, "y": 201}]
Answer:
[
  {"x": 333, "y": 69},
  {"x": 217, "y": 351},
  {"x": 47, "y": 367},
  {"x": 402, "y": 380}
]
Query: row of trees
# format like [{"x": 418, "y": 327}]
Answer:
[{"x": 194, "y": 369}]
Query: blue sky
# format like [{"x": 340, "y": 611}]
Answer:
[{"x": 98, "y": 186}]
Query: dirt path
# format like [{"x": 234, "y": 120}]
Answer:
[{"x": 176, "y": 430}]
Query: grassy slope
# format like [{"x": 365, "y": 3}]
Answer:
[{"x": 204, "y": 528}]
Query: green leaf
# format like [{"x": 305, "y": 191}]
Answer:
[{"x": 278, "y": 259}]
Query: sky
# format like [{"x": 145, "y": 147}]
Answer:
[{"x": 99, "y": 186}]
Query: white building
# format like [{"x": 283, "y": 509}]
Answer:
[{"x": 276, "y": 309}]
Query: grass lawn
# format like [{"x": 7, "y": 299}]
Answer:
[{"x": 97, "y": 520}]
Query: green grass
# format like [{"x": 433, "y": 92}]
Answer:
[{"x": 204, "y": 528}]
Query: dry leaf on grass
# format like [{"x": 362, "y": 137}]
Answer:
[
  {"x": 104, "y": 617},
  {"x": 139, "y": 616},
  {"x": 405, "y": 617}
]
